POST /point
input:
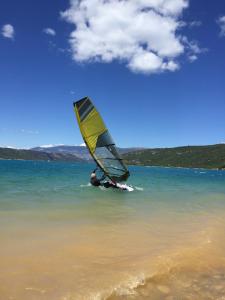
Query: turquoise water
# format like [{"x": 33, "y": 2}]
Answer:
[
  {"x": 64, "y": 239},
  {"x": 34, "y": 183}
]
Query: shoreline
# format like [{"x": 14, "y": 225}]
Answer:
[{"x": 132, "y": 165}]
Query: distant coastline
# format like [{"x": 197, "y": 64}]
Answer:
[
  {"x": 206, "y": 157},
  {"x": 21, "y": 154}
]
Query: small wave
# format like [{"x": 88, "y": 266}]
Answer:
[
  {"x": 102, "y": 188},
  {"x": 85, "y": 185},
  {"x": 199, "y": 172},
  {"x": 123, "y": 290},
  {"x": 130, "y": 286},
  {"x": 161, "y": 286},
  {"x": 139, "y": 188}
]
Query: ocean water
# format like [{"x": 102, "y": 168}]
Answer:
[{"x": 62, "y": 239}]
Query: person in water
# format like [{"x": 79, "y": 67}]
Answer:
[{"x": 100, "y": 181}]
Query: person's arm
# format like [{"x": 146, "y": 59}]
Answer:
[
  {"x": 114, "y": 182},
  {"x": 102, "y": 178},
  {"x": 94, "y": 171}
]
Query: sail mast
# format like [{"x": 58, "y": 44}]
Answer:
[{"x": 99, "y": 141}]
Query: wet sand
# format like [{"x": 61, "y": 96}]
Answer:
[{"x": 165, "y": 257}]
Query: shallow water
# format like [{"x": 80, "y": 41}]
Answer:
[{"x": 62, "y": 239}]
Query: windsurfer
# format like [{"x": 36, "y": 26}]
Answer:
[
  {"x": 94, "y": 180},
  {"x": 100, "y": 181}
]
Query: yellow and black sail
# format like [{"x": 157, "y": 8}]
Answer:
[{"x": 99, "y": 141}]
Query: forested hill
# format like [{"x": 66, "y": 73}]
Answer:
[
  {"x": 212, "y": 156},
  {"x": 9, "y": 153}
]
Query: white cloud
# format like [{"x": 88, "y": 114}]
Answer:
[
  {"x": 47, "y": 146},
  {"x": 51, "y": 145},
  {"x": 195, "y": 24},
  {"x": 82, "y": 145},
  {"x": 221, "y": 23},
  {"x": 193, "y": 49},
  {"x": 192, "y": 57},
  {"x": 8, "y": 31},
  {"x": 49, "y": 31},
  {"x": 11, "y": 147},
  {"x": 143, "y": 34},
  {"x": 29, "y": 131}
]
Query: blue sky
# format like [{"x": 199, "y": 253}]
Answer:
[{"x": 160, "y": 84}]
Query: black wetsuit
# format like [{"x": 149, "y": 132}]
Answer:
[{"x": 97, "y": 182}]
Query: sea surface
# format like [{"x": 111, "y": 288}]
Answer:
[{"x": 62, "y": 239}]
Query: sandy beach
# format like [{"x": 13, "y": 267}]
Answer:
[{"x": 61, "y": 239}]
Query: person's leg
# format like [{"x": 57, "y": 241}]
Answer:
[
  {"x": 113, "y": 185},
  {"x": 106, "y": 184},
  {"x": 110, "y": 185}
]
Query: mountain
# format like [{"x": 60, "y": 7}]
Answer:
[
  {"x": 80, "y": 151},
  {"x": 211, "y": 156},
  {"x": 52, "y": 153},
  {"x": 9, "y": 153}
]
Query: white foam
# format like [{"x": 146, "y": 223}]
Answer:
[
  {"x": 138, "y": 188},
  {"x": 125, "y": 288},
  {"x": 85, "y": 185},
  {"x": 129, "y": 287},
  {"x": 102, "y": 188}
]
